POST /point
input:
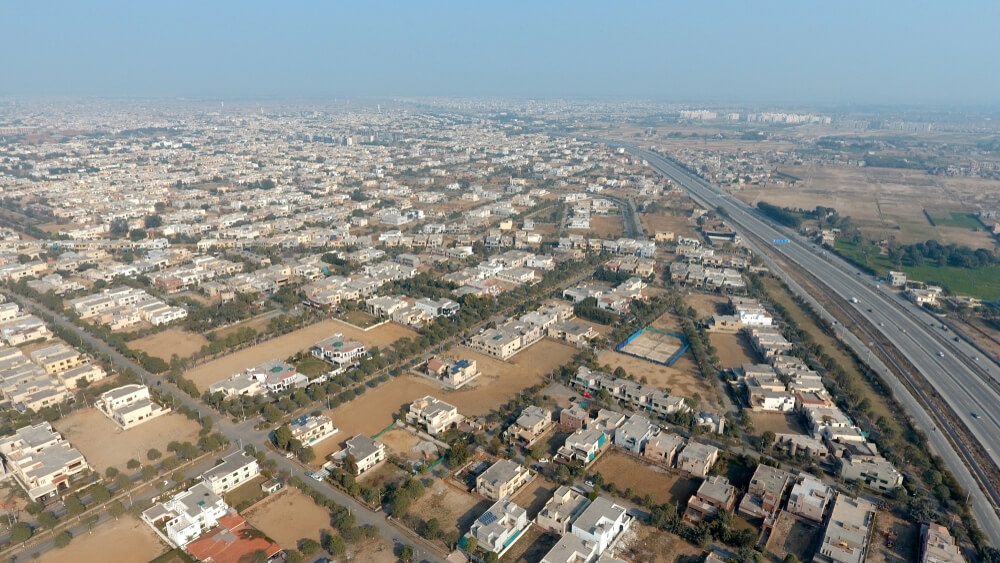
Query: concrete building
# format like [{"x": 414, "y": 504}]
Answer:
[
  {"x": 502, "y": 479},
  {"x": 562, "y": 509},
  {"x": 454, "y": 374},
  {"x": 574, "y": 417},
  {"x": 876, "y": 472},
  {"x": 714, "y": 494},
  {"x": 583, "y": 445},
  {"x": 531, "y": 423},
  {"x": 848, "y": 531},
  {"x": 809, "y": 498},
  {"x": 41, "y": 460},
  {"x": 497, "y": 529},
  {"x": 339, "y": 351},
  {"x": 366, "y": 452},
  {"x": 187, "y": 514},
  {"x": 129, "y": 405},
  {"x": 433, "y": 415},
  {"x": 235, "y": 469},
  {"x": 663, "y": 448},
  {"x": 937, "y": 545},
  {"x": 601, "y": 522},
  {"x": 633, "y": 435},
  {"x": 238, "y": 384},
  {"x": 765, "y": 492},
  {"x": 310, "y": 430},
  {"x": 697, "y": 459},
  {"x": 277, "y": 376}
]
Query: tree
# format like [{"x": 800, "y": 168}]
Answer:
[
  {"x": 153, "y": 221},
  {"x": 20, "y": 533},
  {"x": 48, "y": 519},
  {"x": 111, "y": 472},
  {"x": 432, "y": 529},
  {"x": 178, "y": 476},
  {"x": 458, "y": 454},
  {"x": 133, "y": 464},
  {"x": 117, "y": 509},
  {"x": 470, "y": 545},
  {"x": 406, "y": 554},
  {"x": 335, "y": 545},
  {"x": 272, "y": 413},
  {"x": 294, "y": 556},
  {"x": 491, "y": 557},
  {"x": 791, "y": 558},
  {"x": 282, "y": 436},
  {"x": 153, "y": 454},
  {"x": 306, "y": 454},
  {"x": 100, "y": 494},
  {"x": 309, "y": 546},
  {"x": 73, "y": 506},
  {"x": 400, "y": 504},
  {"x": 766, "y": 439},
  {"x": 34, "y": 508},
  {"x": 91, "y": 520},
  {"x": 148, "y": 472},
  {"x": 63, "y": 539}
]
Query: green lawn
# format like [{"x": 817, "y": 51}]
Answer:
[
  {"x": 311, "y": 367},
  {"x": 249, "y": 491},
  {"x": 983, "y": 283},
  {"x": 359, "y": 318},
  {"x": 961, "y": 220}
]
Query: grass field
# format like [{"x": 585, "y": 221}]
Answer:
[
  {"x": 247, "y": 491},
  {"x": 359, "y": 318},
  {"x": 311, "y": 366},
  {"x": 962, "y": 220},
  {"x": 983, "y": 283}
]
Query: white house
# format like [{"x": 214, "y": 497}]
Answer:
[
  {"x": 234, "y": 470},
  {"x": 129, "y": 405},
  {"x": 499, "y": 527},
  {"x": 601, "y": 522},
  {"x": 188, "y": 514}
]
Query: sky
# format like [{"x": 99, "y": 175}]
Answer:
[{"x": 884, "y": 52}]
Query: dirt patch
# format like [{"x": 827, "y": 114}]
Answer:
[
  {"x": 905, "y": 537},
  {"x": 682, "y": 378},
  {"x": 408, "y": 445},
  {"x": 287, "y": 345},
  {"x": 707, "y": 305},
  {"x": 534, "y": 495},
  {"x": 169, "y": 342},
  {"x": 626, "y": 472},
  {"x": 777, "y": 423},
  {"x": 793, "y": 535},
  {"x": 454, "y": 509},
  {"x": 677, "y": 223},
  {"x": 644, "y": 544},
  {"x": 531, "y": 546},
  {"x": 105, "y": 445},
  {"x": 373, "y": 551},
  {"x": 606, "y": 227},
  {"x": 259, "y": 324},
  {"x": 734, "y": 350},
  {"x": 126, "y": 540},
  {"x": 288, "y": 517}
]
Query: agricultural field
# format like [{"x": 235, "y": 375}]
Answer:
[
  {"x": 126, "y": 540},
  {"x": 288, "y": 344},
  {"x": 105, "y": 445},
  {"x": 165, "y": 344},
  {"x": 289, "y": 516},
  {"x": 626, "y": 472}
]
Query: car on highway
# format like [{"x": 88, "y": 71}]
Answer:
[
  {"x": 975, "y": 358},
  {"x": 975, "y": 414},
  {"x": 940, "y": 354}
]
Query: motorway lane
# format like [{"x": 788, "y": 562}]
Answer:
[{"x": 955, "y": 381}]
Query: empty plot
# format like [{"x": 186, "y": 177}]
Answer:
[
  {"x": 626, "y": 472},
  {"x": 288, "y": 516},
  {"x": 682, "y": 378},
  {"x": 734, "y": 349},
  {"x": 105, "y": 445},
  {"x": 169, "y": 342},
  {"x": 455, "y": 510},
  {"x": 126, "y": 540}
]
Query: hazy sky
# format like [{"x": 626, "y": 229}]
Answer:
[{"x": 794, "y": 51}]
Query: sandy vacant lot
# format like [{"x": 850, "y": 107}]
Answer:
[
  {"x": 793, "y": 535},
  {"x": 127, "y": 540},
  {"x": 284, "y": 346},
  {"x": 682, "y": 378},
  {"x": 908, "y": 535},
  {"x": 644, "y": 544},
  {"x": 676, "y": 223},
  {"x": 289, "y": 516},
  {"x": 707, "y": 304},
  {"x": 105, "y": 445},
  {"x": 777, "y": 423},
  {"x": 534, "y": 495},
  {"x": 644, "y": 479},
  {"x": 734, "y": 350},
  {"x": 450, "y": 506},
  {"x": 170, "y": 342}
]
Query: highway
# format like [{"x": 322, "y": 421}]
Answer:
[{"x": 967, "y": 382}]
